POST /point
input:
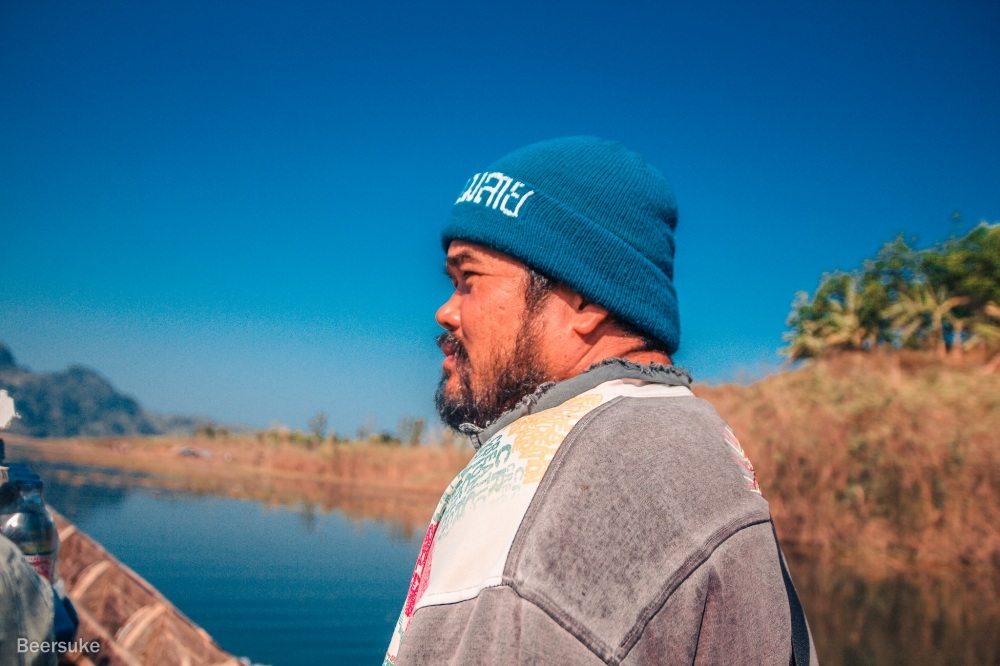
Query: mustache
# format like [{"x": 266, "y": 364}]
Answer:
[{"x": 455, "y": 346}]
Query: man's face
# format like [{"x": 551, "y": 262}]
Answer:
[{"x": 492, "y": 339}]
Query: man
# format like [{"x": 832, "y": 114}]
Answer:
[
  {"x": 27, "y": 610},
  {"x": 27, "y": 601},
  {"x": 608, "y": 516}
]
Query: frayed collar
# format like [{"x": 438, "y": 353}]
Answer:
[{"x": 552, "y": 394}]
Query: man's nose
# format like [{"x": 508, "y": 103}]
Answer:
[{"x": 447, "y": 315}]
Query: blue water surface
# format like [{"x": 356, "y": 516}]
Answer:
[{"x": 277, "y": 585}]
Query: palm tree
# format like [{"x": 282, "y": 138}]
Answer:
[
  {"x": 985, "y": 332},
  {"x": 843, "y": 328},
  {"x": 805, "y": 342},
  {"x": 830, "y": 322},
  {"x": 958, "y": 325},
  {"x": 921, "y": 314}
]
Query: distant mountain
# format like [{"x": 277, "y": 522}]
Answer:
[{"x": 78, "y": 402}]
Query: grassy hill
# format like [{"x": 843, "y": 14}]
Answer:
[{"x": 890, "y": 458}]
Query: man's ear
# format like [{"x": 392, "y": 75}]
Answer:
[{"x": 585, "y": 316}]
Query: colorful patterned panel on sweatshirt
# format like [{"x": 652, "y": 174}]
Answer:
[{"x": 475, "y": 523}]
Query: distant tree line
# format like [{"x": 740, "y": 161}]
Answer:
[
  {"x": 409, "y": 432},
  {"x": 945, "y": 299}
]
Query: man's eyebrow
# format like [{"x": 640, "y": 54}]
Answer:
[{"x": 456, "y": 260}]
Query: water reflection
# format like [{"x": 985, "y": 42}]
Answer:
[
  {"x": 406, "y": 512},
  {"x": 80, "y": 490},
  {"x": 277, "y": 585},
  {"x": 902, "y": 618},
  {"x": 321, "y": 580}
]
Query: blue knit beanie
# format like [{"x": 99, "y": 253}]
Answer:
[{"x": 588, "y": 213}]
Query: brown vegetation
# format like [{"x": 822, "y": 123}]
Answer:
[
  {"x": 362, "y": 479},
  {"x": 889, "y": 459}
]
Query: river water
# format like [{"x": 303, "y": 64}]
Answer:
[
  {"x": 295, "y": 586},
  {"x": 276, "y": 585}
]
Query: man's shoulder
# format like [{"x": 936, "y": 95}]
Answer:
[
  {"x": 655, "y": 418},
  {"x": 668, "y": 466},
  {"x": 653, "y": 440},
  {"x": 641, "y": 493}
]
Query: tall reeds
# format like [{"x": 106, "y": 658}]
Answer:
[{"x": 892, "y": 459}]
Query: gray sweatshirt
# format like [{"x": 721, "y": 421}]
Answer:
[{"x": 610, "y": 519}]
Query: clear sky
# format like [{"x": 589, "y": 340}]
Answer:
[{"x": 232, "y": 208}]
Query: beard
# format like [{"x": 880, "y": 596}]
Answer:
[{"x": 497, "y": 387}]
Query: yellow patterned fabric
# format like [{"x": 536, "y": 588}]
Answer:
[{"x": 538, "y": 436}]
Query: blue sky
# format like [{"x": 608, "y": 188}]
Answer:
[{"x": 232, "y": 208}]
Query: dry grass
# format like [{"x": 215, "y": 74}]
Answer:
[
  {"x": 892, "y": 460},
  {"x": 363, "y": 479}
]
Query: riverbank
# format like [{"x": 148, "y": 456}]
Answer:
[
  {"x": 365, "y": 480},
  {"x": 885, "y": 462}
]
